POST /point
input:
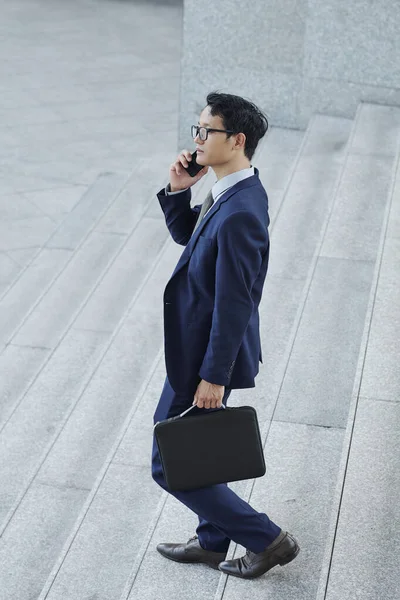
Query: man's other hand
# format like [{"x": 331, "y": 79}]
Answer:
[{"x": 209, "y": 395}]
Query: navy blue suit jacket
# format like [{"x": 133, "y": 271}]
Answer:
[{"x": 211, "y": 320}]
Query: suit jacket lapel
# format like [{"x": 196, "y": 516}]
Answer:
[{"x": 245, "y": 183}]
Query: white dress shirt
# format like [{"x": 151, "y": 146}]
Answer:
[{"x": 224, "y": 184}]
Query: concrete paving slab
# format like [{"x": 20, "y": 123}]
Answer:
[
  {"x": 281, "y": 298},
  {"x": 15, "y": 206},
  {"x": 377, "y": 130},
  {"x": 393, "y": 230},
  {"x": 381, "y": 374},
  {"x": 13, "y": 183},
  {"x": 23, "y": 233},
  {"x": 27, "y": 290},
  {"x": 105, "y": 547},
  {"x": 367, "y": 544},
  {"x": 320, "y": 138},
  {"x": 320, "y": 374},
  {"x": 124, "y": 278},
  {"x": 78, "y": 150},
  {"x": 18, "y": 368},
  {"x": 30, "y": 545},
  {"x": 275, "y": 162},
  {"x": 298, "y": 227},
  {"x": 23, "y": 256},
  {"x": 9, "y": 269},
  {"x": 296, "y": 493},
  {"x": 12, "y": 117},
  {"x": 132, "y": 203},
  {"x": 51, "y": 317},
  {"x": 97, "y": 199},
  {"x": 354, "y": 228},
  {"x": 94, "y": 425},
  {"x": 135, "y": 447},
  {"x": 277, "y": 155},
  {"x": 176, "y": 524},
  {"x": 68, "y": 169},
  {"x": 58, "y": 201},
  {"x": 37, "y": 418}
]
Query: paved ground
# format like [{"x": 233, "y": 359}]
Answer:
[
  {"x": 86, "y": 86},
  {"x": 89, "y": 109}
]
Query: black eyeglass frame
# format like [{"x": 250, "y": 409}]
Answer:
[{"x": 196, "y": 128}]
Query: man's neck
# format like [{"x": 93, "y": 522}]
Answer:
[{"x": 227, "y": 169}]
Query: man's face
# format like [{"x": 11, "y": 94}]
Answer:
[{"x": 217, "y": 149}]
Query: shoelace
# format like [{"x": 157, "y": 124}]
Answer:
[
  {"x": 247, "y": 557},
  {"x": 195, "y": 537}
]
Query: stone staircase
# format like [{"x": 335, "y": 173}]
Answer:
[{"x": 82, "y": 368}]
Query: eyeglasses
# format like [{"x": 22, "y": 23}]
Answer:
[{"x": 203, "y": 132}]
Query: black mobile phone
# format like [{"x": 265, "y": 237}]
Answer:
[{"x": 193, "y": 167}]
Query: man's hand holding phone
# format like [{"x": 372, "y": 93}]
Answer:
[{"x": 179, "y": 177}]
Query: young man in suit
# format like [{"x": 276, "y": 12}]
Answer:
[{"x": 211, "y": 321}]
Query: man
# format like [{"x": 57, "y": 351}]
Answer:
[{"x": 212, "y": 340}]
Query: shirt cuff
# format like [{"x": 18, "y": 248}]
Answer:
[{"x": 169, "y": 193}]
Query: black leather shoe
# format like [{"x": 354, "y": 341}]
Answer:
[
  {"x": 191, "y": 552},
  {"x": 282, "y": 550}
]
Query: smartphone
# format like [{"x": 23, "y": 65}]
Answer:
[{"x": 193, "y": 167}]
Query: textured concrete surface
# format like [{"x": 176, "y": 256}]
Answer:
[
  {"x": 83, "y": 262},
  {"x": 105, "y": 547},
  {"x": 381, "y": 376},
  {"x": 34, "y": 537},
  {"x": 35, "y": 421},
  {"x": 293, "y": 58},
  {"x": 370, "y": 512},
  {"x": 303, "y": 213},
  {"x": 319, "y": 378},
  {"x": 296, "y": 492}
]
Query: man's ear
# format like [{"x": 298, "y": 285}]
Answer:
[{"x": 240, "y": 141}]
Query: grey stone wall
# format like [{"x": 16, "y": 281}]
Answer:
[{"x": 292, "y": 57}]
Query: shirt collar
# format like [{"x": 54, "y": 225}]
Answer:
[{"x": 229, "y": 181}]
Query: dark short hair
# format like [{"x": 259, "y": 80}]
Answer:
[{"x": 240, "y": 116}]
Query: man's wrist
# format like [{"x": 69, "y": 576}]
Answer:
[{"x": 171, "y": 190}]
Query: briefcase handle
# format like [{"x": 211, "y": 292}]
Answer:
[
  {"x": 189, "y": 409},
  {"x": 183, "y": 414}
]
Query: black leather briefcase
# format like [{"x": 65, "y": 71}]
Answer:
[{"x": 218, "y": 446}]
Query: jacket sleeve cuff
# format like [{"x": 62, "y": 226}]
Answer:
[
  {"x": 219, "y": 377},
  {"x": 169, "y": 193}
]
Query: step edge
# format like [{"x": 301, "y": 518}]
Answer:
[{"x": 352, "y": 415}]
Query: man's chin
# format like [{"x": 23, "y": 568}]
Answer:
[{"x": 201, "y": 159}]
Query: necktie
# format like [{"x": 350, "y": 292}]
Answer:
[{"x": 208, "y": 202}]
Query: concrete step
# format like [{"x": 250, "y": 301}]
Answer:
[
  {"x": 32, "y": 420},
  {"x": 361, "y": 554},
  {"x": 70, "y": 289},
  {"x": 20, "y": 365},
  {"x": 100, "y": 314},
  {"x": 39, "y": 274},
  {"x": 132, "y": 457},
  {"x": 303, "y": 442},
  {"x": 11, "y": 267},
  {"x": 80, "y": 441}
]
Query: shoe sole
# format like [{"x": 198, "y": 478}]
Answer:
[
  {"x": 285, "y": 560},
  {"x": 282, "y": 562},
  {"x": 190, "y": 562}
]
